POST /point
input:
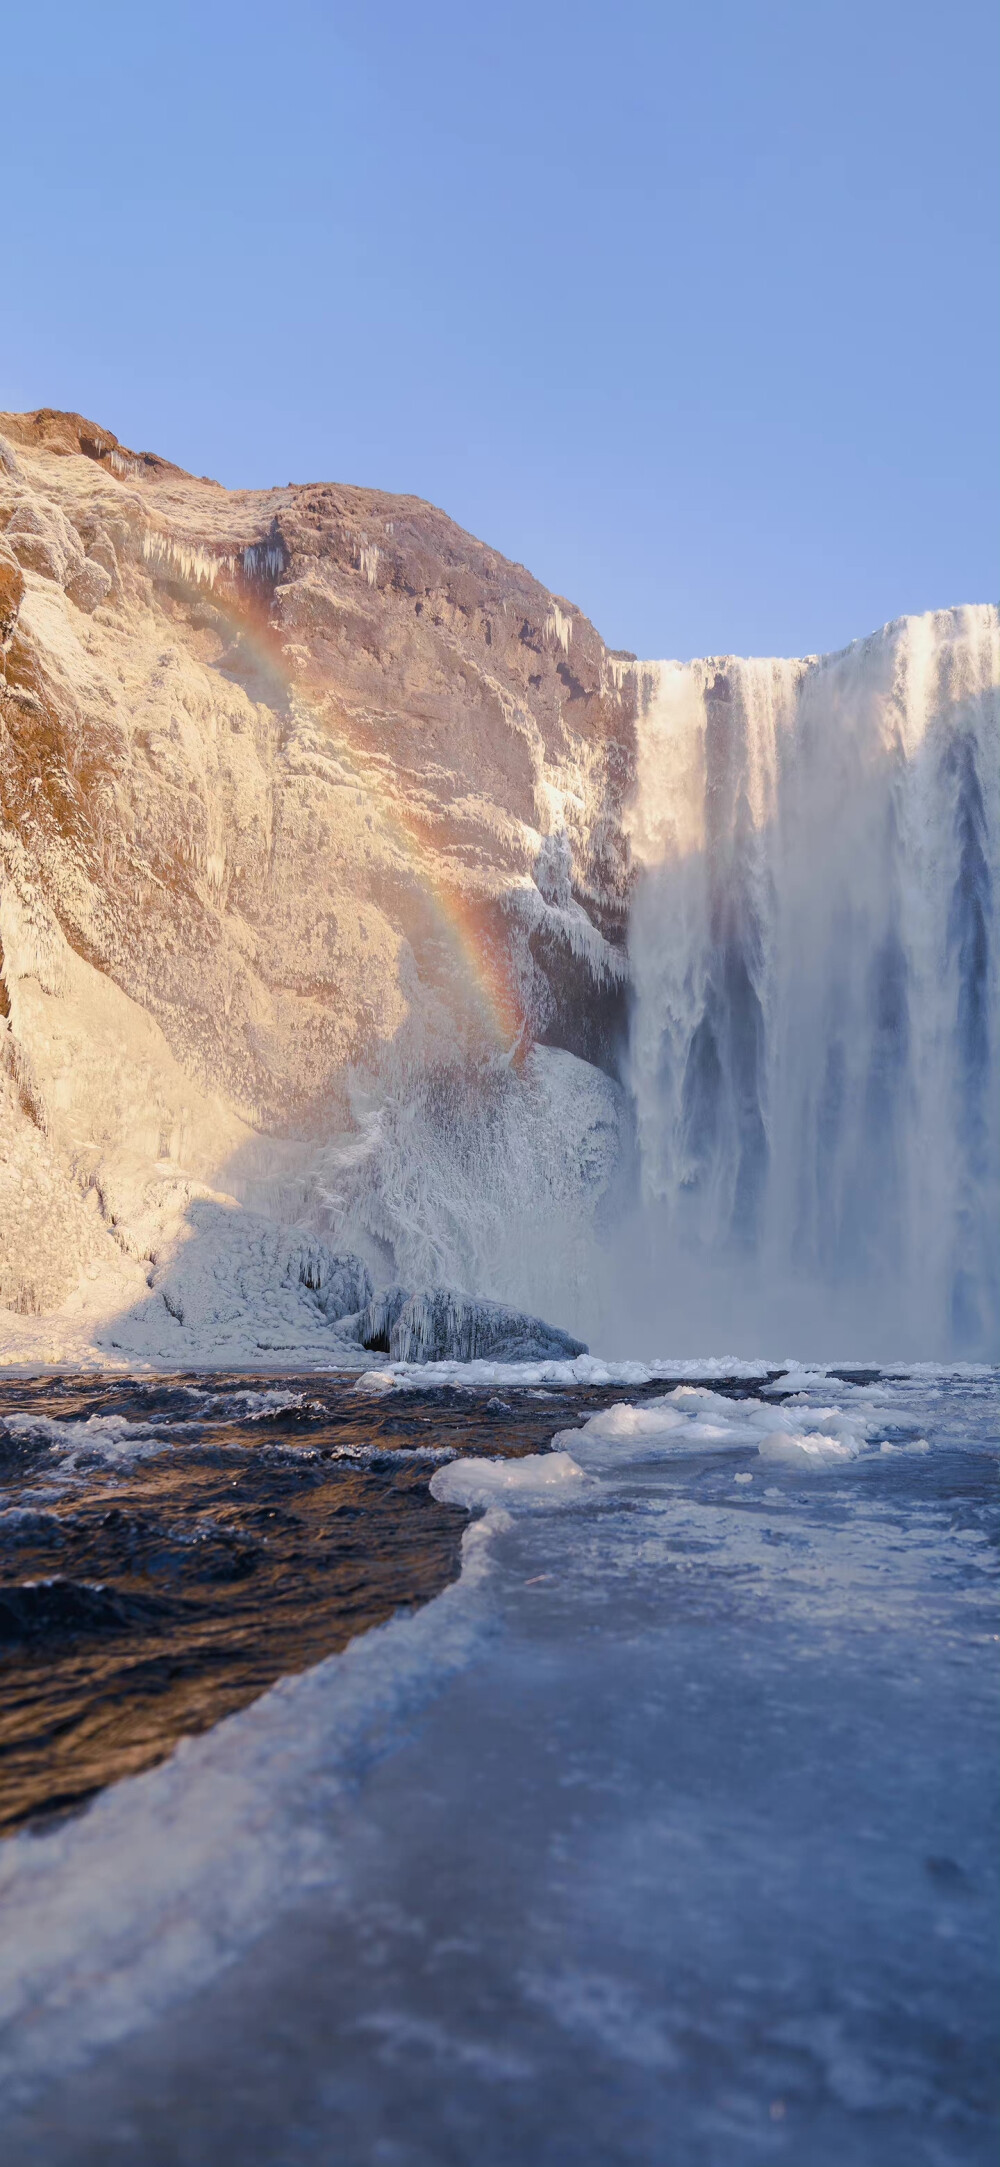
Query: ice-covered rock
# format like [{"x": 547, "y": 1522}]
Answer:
[
  {"x": 228, "y": 1264},
  {"x": 341, "y": 1284},
  {"x": 378, "y": 1320},
  {"x": 445, "y": 1325},
  {"x": 50, "y": 1234}
]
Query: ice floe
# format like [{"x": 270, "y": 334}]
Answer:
[{"x": 694, "y": 1419}]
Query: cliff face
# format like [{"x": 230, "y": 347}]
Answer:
[{"x": 304, "y": 792}]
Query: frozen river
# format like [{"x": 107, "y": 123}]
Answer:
[{"x": 667, "y": 1833}]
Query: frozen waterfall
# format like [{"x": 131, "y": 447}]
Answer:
[{"x": 814, "y": 1038}]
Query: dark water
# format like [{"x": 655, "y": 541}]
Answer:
[{"x": 169, "y": 1549}]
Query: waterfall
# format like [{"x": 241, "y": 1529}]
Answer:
[{"x": 813, "y": 1046}]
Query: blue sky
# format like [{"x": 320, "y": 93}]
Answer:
[{"x": 692, "y": 309}]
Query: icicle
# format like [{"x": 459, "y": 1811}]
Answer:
[{"x": 184, "y": 559}]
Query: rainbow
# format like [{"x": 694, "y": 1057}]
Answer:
[{"x": 460, "y": 922}]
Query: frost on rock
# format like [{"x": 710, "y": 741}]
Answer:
[
  {"x": 48, "y": 1235},
  {"x": 234, "y": 1268},
  {"x": 495, "y": 1180},
  {"x": 445, "y": 1325},
  {"x": 341, "y": 1285}
]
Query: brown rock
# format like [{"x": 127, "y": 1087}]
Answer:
[
  {"x": 90, "y": 586},
  {"x": 11, "y": 592}
]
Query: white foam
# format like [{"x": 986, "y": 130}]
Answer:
[
  {"x": 258, "y": 1406},
  {"x": 105, "y": 1437},
  {"x": 385, "y": 1455},
  {"x": 116, "y": 1439}
]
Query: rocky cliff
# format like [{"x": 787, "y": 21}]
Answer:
[{"x": 314, "y": 885}]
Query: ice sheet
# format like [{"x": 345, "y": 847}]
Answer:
[{"x": 649, "y": 1822}]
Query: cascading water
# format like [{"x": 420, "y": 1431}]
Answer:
[{"x": 814, "y": 962}]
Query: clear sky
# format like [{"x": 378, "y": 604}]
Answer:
[{"x": 691, "y": 308}]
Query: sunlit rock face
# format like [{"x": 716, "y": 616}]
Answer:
[{"x": 306, "y": 796}]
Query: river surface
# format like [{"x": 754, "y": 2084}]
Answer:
[
  {"x": 171, "y": 1547},
  {"x": 653, "y": 1817}
]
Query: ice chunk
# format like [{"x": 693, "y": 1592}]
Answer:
[
  {"x": 627, "y": 1432},
  {"x": 809, "y": 1450},
  {"x": 692, "y": 1418},
  {"x": 550, "y": 1478},
  {"x": 680, "y": 1422}
]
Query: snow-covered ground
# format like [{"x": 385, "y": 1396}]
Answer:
[{"x": 667, "y": 1832}]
